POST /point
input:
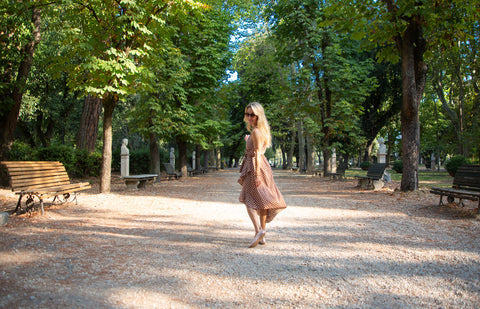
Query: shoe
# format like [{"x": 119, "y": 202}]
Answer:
[
  {"x": 262, "y": 241},
  {"x": 257, "y": 238}
]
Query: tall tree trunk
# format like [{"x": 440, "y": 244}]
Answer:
[
  {"x": 292, "y": 148},
  {"x": 206, "y": 156},
  {"x": 198, "y": 158},
  {"x": 87, "y": 134},
  {"x": 414, "y": 71},
  {"x": 218, "y": 158},
  {"x": 310, "y": 154},
  {"x": 8, "y": 121},
  {"x": 154, "y": 155},
  {"x": 182, "y": 156},
  {"x": 109, "y": 103},
  {"x": 301, "y": 146},
  {"x": 327, "y": 161}
]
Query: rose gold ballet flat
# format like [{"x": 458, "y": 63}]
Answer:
[
  {"x": 257, "y": 238},
  {"x": 262, "y": 241}
]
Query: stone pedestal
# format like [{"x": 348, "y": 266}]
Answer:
[{"x": 382, "y": 151}]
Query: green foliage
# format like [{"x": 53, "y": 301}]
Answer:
[
  {"x": 365, "y": 165},
  {"x": 86, "y": 164},
  {"x": 64, "y": 154},
  {"x": 139, "y": 161},
  {"x": 398, "y": 166},
  {"x": 22, "y": 151},
  {"x": 454, "y": 163},
  {"x": 78, "y": 163}
]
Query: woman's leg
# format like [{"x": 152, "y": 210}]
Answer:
[
  {"x": 263, "y": 223},
  {"x": 252, "y": 213},
  {"x": 263, "y": 218}
]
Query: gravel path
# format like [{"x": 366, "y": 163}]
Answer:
[{"x": 183, "y": 244}]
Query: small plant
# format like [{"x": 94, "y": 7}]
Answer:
[
  {"x": 398, "y": 166},
  {"x": 365, "y": 165},
  {"x": 454, "y": 163}
]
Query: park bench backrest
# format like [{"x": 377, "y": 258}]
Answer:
[
  {"x": 169, "y": 168},
  {"x": 342, "y": 168},
  {"x": 467, "y": 177},
  {"x": 35, "y": 174},
  {"x": 376, "y": 170}
]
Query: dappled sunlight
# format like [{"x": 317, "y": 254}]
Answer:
[{"x": 184, "y": 244}]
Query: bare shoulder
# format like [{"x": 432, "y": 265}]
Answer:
[{"x": 255, "y": 132}]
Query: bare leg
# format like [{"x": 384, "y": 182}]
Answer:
[
  {"x": 252, "y": 213},
  {"x": 263, "y": 223}
]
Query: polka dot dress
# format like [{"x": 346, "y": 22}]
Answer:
[{"x": 266, "y": 195}]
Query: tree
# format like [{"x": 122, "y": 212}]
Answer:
[
  {"x": 382, "y": 104},
  {"x": 333, "y": 79},
  {"x": 20, "y": 35},
  {"x": 113, "y": 39},
  {"x": 406, "y": 29}
]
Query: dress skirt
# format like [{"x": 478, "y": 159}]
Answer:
[{"x": 266, "y": 195}]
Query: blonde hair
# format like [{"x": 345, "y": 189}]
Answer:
[{"x": 262, "y": 123}]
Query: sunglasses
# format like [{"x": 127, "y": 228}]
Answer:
[{"x": 250, "y": 115}]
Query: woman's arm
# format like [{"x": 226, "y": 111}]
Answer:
[{"x": 257, "y": 144}]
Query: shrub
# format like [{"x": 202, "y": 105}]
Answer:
[
  {"x": 454, "y": 163},
  {"x": 398, "y": 166},
  {"x": 21, "y": 151},
  {"x": 87, "y": 164},
  {"x": 365, "y": 165},
  {"x": 139, "y": 161},
  {"x": 78, "y": 163},
  {"x": 64, "y": 154}
]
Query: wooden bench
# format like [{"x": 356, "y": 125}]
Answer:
[
  {"x": 171, "y": 173},
  {"x": 374, "y": 178},
  {"x": 340, "y": 174},
  {"x": 41, "y": 180},
  {"x": 134, "y": 182},
  {"x": 466, "y": 186}
]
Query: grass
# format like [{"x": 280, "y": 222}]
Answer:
[{"x": 426, "y": 178}]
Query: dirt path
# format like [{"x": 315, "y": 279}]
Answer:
[{"x": 183, "y": 244}]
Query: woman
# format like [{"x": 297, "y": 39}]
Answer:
[{"x": 259, "y": 192}]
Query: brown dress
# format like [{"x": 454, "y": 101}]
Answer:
[{"x": 266, "y": 195}]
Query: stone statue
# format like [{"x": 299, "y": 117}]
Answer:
[
  {"x": 125, "y": 159},
  {"x": 172, "y": 157}
]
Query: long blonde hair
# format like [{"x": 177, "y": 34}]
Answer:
[{"x": 262, "y": 123}]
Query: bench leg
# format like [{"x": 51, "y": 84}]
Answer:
[
  {"x": 440, "y": 203},
  {"x": 131, "y": 184},
  {"x": 142, "y": 184},
  {"x": 41, "y": 207},
  {"x": 19, "y": 208}
]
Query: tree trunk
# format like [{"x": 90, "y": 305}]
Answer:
[
  {"x": 198, "y": 159},
  {"x": 109, "y": 103},
  {"x": 291, "y": 149},
  {"x": 182, "y": 156},
  {"x": 327, "y": 161},
  {"x": 206, "y": 155},
  {"x": 87, "y": 134},
  {"x": 154, "y": 155},
  {"x": 8, "y": 121},
  {"x": 414, "y": 70},
  {"x": 218, "y": 158},
  {"x": 301, "y": 146},
  {"x": 310, "y": 154}
]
